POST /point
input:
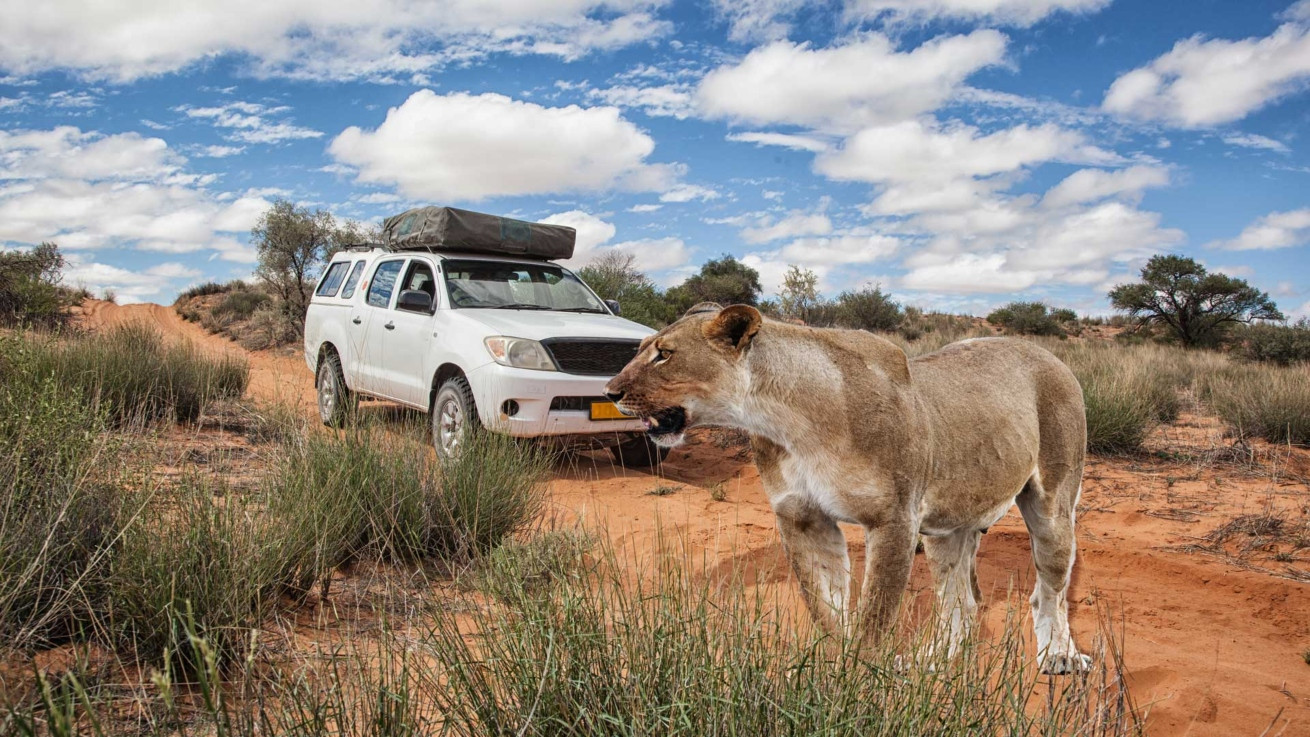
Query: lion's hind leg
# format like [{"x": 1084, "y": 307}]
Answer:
[{"x": 1049, "y": 516}]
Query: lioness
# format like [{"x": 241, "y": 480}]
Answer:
[{"x": 844, "y": 428}]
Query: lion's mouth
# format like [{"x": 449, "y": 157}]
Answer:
[{"x": 665, "y": 423}]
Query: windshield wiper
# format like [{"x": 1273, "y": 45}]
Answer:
[
  {"x": 518, "y": 306},
  {"x": 590, "y": 310}
]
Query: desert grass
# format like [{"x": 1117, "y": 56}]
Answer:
[
  {"x": 1264, "y": 401},
  {"x": 133, "y": 375},
  {"x": 612, "y": 642}
]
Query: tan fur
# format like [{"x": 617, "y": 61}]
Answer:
[{"x": 845, "y": 429}]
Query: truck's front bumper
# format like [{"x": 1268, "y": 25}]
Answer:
[{"x": 533, "y": 392}]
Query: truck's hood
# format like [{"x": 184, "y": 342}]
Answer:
[{"x": 538, "y": 325}]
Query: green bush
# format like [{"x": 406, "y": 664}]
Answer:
[
  {"x": 30, "y": 291},
  {"x": 240, "y": 304},
  {"x": 199, "y": 561},
  {"x": 1127, "y": 390},
  {"x": 1031, "y": 318},
  {"x": 60, "y": 509},
  {"x": 1280, "y": 344},
  {"x": 131, "y": 374},
  {"x": 867, "y": 309},
  {"x": 1267, "y": 402},
  {"x": 367, "y": 493}
]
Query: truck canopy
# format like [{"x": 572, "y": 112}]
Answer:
[{"x": 453, "y": 229}]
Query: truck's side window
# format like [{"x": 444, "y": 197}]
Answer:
[
  {"x": 332, "y": 279},
  {"x": 420, "y": 277},
  {"x": 353, "y": 280},
  {"x": 384, "y": 281}
]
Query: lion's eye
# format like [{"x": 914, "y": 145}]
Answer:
[{"x": 662, "y": 355}]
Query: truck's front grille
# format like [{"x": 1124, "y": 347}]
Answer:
[{"x": 591, "y": 357}]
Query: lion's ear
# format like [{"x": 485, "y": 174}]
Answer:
[
  {"x": 733, "y": 328},
  {"x": 700, "y": 307}
]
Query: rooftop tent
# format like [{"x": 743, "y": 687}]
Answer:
[{"x": 453, "y": 229}]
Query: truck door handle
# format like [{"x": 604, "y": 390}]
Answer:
[
  {"x": 390, "y": 326},
  {"x": 357, "y": 321}
]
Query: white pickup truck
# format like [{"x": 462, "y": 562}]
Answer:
[{"x": 513, "y": 345}]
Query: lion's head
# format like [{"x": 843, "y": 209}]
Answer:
[{"x": 690, "y": 373}]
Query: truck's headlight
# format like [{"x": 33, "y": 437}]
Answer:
[{"x": 519, "y": 353}]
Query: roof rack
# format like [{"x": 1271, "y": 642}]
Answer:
[{"x": 362, "y": 246}]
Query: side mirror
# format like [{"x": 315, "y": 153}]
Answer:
[
  {"x": 614, "y": 306},
  {"x": 415, "y": 300}
]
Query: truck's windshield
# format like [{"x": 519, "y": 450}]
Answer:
[{"x": 498, "y": 285}]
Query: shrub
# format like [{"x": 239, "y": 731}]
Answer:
[
  {"x": 135, "y": 377},
  {"x": 1127, "y": 390},
  {"x": 60, "y": 512},
  {"x": 869, "y": 309},
  {"x": 30, "y": 291},
  {"x": 204, "y": 290},
  {"x": 201, "y": 561},
  {"x": 367, "y": 493},
  {"x": 1031, "y": 318},
  {"x": 1262, "y": 401},
  {"x": 1280, "y": 344},
  {"x": 240, "y": 304}
]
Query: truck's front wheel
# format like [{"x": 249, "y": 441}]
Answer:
[
  {"x": 639, "y": 452},
  {"x": 454, "y": 415}
]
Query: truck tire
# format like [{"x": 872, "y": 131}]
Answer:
[
  {"x": 335, "y": 400},
  {"x": 639, "y": 452},
  {"x": 454, "y": 415}
]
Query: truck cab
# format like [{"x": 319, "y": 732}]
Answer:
[{"x": 511, "y": 345}]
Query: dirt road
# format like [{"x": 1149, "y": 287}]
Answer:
[{"x": 1214, "y": 634}]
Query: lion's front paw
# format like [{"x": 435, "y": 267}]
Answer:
[{"x": 1063, "y": 664}]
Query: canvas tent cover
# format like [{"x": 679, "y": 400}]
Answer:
[{"x": 452, "y": 229}]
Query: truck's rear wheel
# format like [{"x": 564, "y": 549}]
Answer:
[
  {"x": 639, "y": 452},
  {"x": 454, "y": 415},
  {"x": 335, "y": 400}
]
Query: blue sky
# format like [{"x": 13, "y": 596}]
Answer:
[{"x": 961, "y": 153}]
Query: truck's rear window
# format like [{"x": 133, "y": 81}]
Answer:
[
  {"x": 336, "y": 273},
  {"x": 353, "y": 280}
]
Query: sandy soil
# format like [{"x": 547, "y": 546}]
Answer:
[{"x": 1213, "y": 630}]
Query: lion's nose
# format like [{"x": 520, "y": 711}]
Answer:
[{"x": 615, "y": 397}]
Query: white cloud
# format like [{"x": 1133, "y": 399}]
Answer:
[
  {"x": 1257, "y": 141},
  {"x": 1089, "y": 185},
  {"x": 85, "y": 190},
  {"x": 689, "y": 192},
  {"x": 122, "y": 40},
  {"x": 787, "y": 140},
  {"x": 655, "y": 255},
  {"x": 592, "y": 233},
  {"x": 758, "y": 20},
  {"x": 219, "y": 152},
  {"x": 969, "y": 272},
  {"x": 866, "y": 81},
  {"x": 662, "y": 101},
  {"x": 1007, "y": 12},
  {"x": 248, "y": 122},
  {"x": 916, "y": 151},
  {"x": 1207, "y": 82},
  {"x": 1272, "y": 231},
  {"x": 831, "y": 258},
  {"x": 463, "y": 147},
  {"x": 644, "y": 208},
  {"x": 794, "y": 225}
]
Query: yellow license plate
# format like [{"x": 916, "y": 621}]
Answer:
[{"x": 606, "y": 411}]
